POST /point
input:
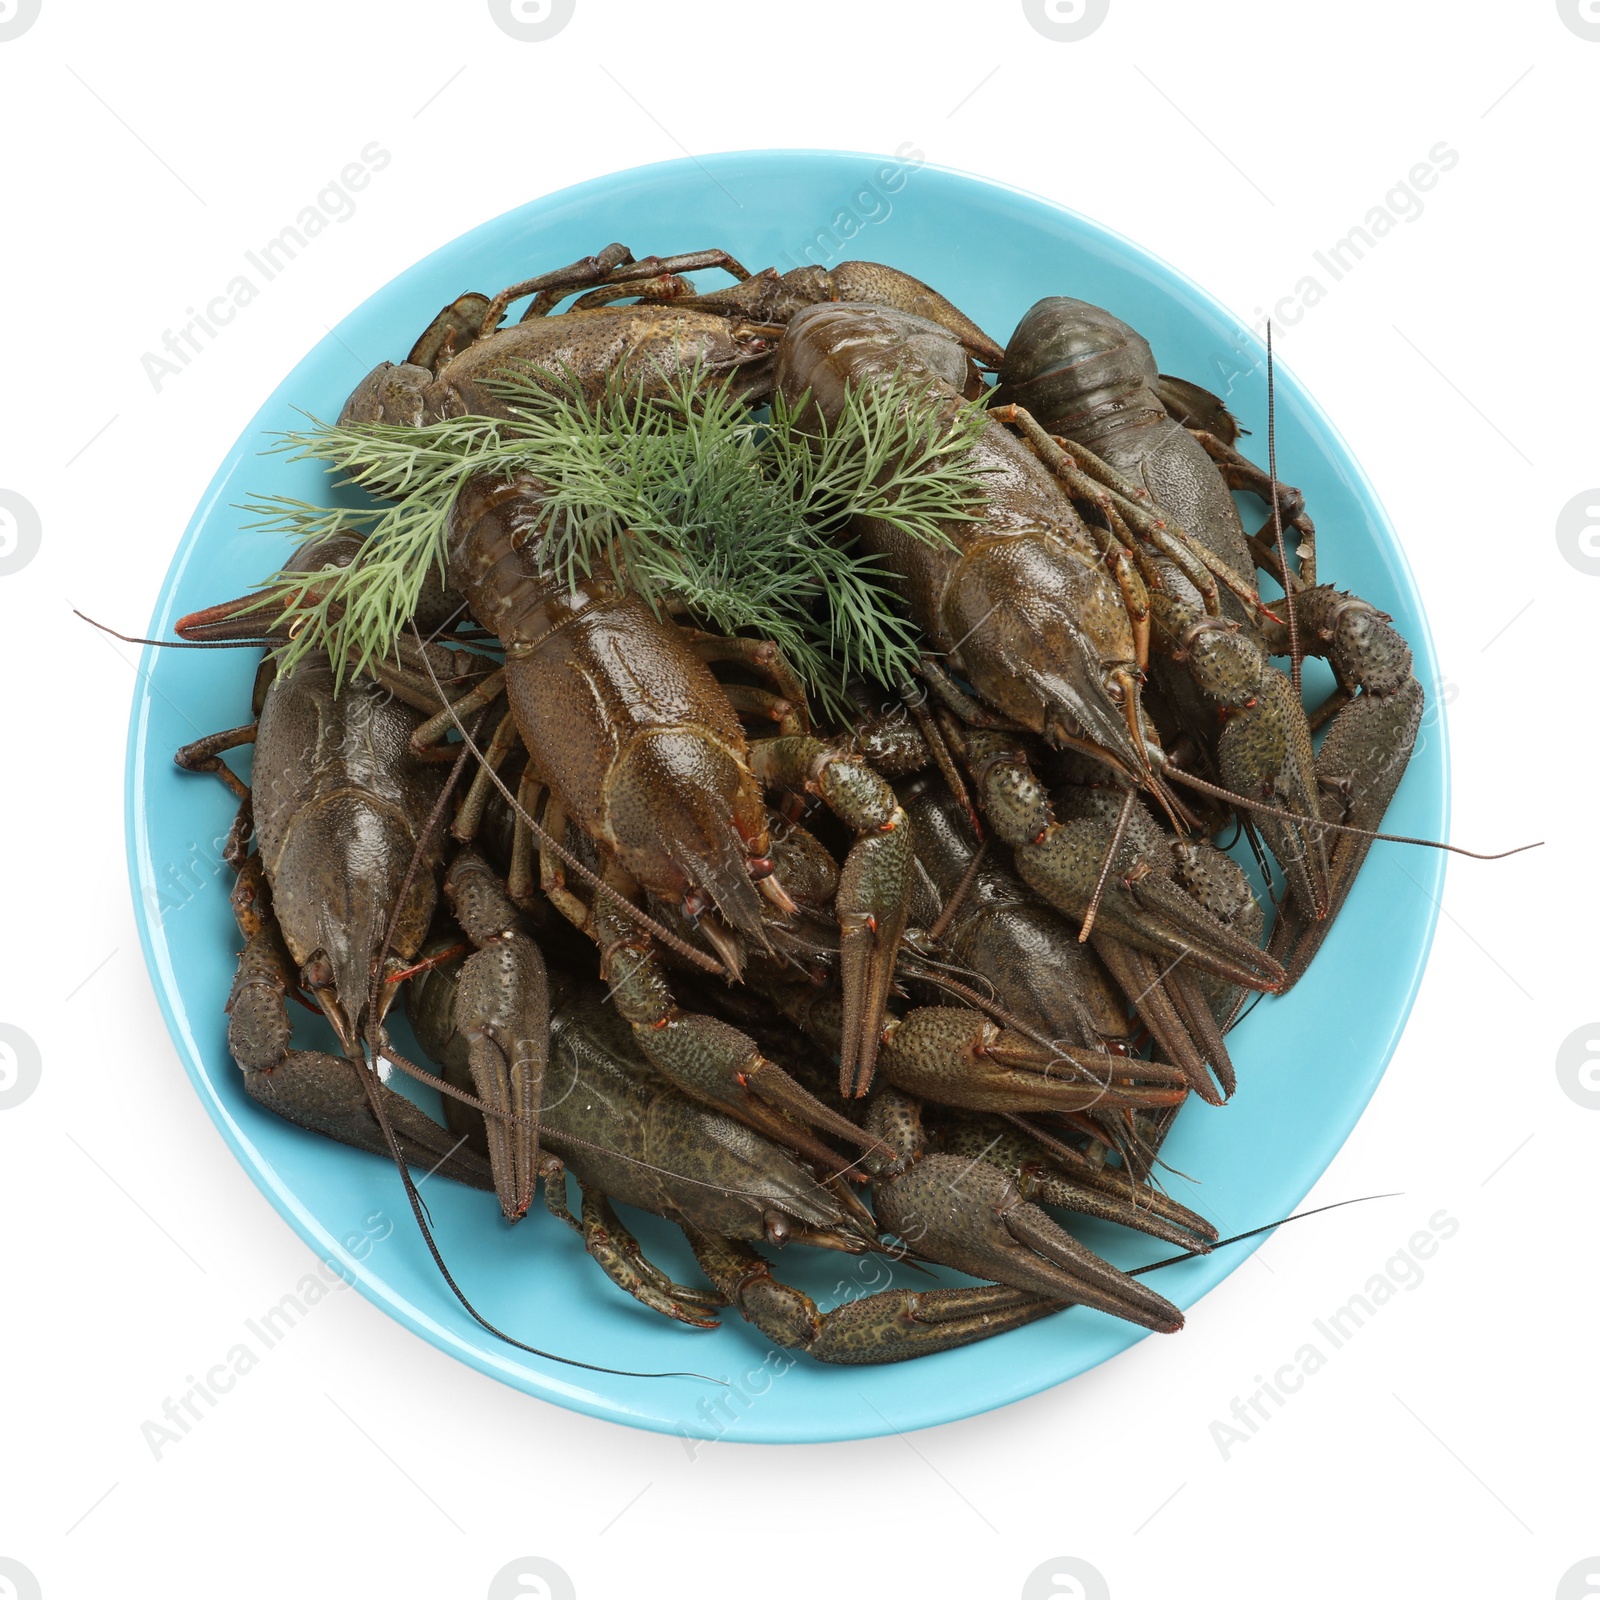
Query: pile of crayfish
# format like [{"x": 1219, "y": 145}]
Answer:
[{"x": 916, "y": 977}]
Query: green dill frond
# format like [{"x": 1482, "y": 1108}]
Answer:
[{"x": 686, "y": 499}]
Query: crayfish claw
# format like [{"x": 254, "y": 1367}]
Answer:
[
  {"x": 900, "y": 1325},
  {"x": 324, "y": 1094},
  {"x": 970, "y": 1216},
  {"x": 961, "y": 1058}
]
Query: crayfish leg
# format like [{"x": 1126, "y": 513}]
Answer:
[{"x": 624, "y": 1262}]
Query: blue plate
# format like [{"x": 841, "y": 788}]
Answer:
[{"x": 1307, "y": 1064}]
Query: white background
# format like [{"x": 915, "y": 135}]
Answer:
[{"x": 1448, "y": 1447}]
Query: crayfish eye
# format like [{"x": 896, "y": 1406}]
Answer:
[{"x": 762, "y": 867}]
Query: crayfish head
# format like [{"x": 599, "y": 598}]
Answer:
[
  {"x": 686, "y": 818},
  {"x": 1043, "y": 636},
  {"x": 334, "y": 890}
]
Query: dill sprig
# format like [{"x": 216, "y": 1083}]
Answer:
[{"x": 687, "y": 499}]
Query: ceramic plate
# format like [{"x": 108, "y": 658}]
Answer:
[{"x": 1307, "y": 1064}]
